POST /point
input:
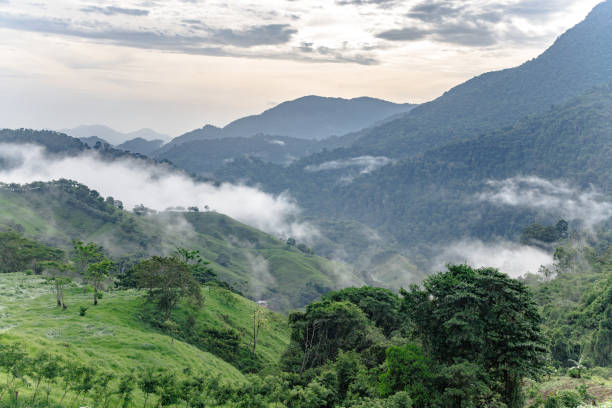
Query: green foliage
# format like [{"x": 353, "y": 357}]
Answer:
[
  {"x": 481, "y": 316},
  {"x": 380, "y": 305},
  {"x": 408, "y": 369},
  {"x": 60, "y": 211},
  {"x": 167, "y": 281},
  {"x": 575, "y": 306},
  {"x": 540, "y": 235},
  {"x": 18, "y": 253},
  {"x": 322, "y": 330}
]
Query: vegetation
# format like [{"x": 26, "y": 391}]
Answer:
[
  {"x": 465, "y": 338},
  {"x": 60, "y": 211}
]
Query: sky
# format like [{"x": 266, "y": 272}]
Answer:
[{"x": 175, "y": 65}]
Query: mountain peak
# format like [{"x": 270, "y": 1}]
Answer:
[{"x": 578, "y": 60}]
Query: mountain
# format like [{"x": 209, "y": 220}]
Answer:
[
  {"x": 112, "y": 136},
  {"x": 257, "y": 264},
  {"x": 204, "y": 151},
  {"x": 140, "y": 145},
  {"x": 92, "y": 140},
  {"x": 578, "y": 60},
  {"x": 415, "y": 200},
  {"x": 206, "y": 156},
  {"x": 56, "y": 143},
  {"x": 309, "y": 117}
]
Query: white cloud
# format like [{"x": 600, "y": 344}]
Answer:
[
  {"x": 134, "y": 182},
  {"x": 510, "y": 258},
  {"x": 552, "y": 197},
  {"x": 366, "y": 164}
]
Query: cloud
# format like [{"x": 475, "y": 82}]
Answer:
[
  {"x": 470, "y": 23},
  {"x": 260, "y": 280},
  {"x": 156, "y": 187},
  {"x": 367, "y": 164},
  {"x": 510, "y": 258},
  {"x": 364, "y": 2},
  {"x": 556, "y": 198},
  {"x": 276, "y": 142},
  {"x": 208, "y": 44},
  {"x": 404, "y": 34},
  {"x": 270, "y": 34},
  {"x": 111, "y": 11},
  {"x": 205, "y": 41}
]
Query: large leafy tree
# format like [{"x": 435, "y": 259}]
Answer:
[
  {"x": 167, "y": 280},
  {"x": 325, "y": 328},
  {"x": 481, "y": 316}
]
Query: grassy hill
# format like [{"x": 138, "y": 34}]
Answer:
[
  {"x": 259, "y": 265},
  {"x": 113, "y": 336}
]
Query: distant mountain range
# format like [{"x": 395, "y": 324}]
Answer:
[
  {"x": 309, "y": 117},
  {"x": 282, "y": 134},
  {"x": 112, "y": 136}
]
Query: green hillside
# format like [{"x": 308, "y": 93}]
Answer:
[
  {"x": 113, "y": 337},
  {"x": 255, "y": 263}
]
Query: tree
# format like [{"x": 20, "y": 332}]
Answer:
[
  {"x": 124, "y": 391},
  {"x": 148, "y": 381},
  {"x": 84, "y": 255},
  {"x": 167, "y": 280},
  {"x": 96, "y": 274},
  {"x": 200, "y": 268},
  {"x": 325, "y": 328},
  {"x": 260, "y": 321},
  {"x": 58, "y": 275},
  {"x": 13, "y": 361},
  {"x": 481, "y": 316}
]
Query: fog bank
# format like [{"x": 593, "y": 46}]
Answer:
[{"x": 136, "y": 182}]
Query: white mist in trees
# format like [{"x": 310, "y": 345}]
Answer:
[
  {"x": 510, "y": 258},
  {"x": 136, "y": 182},
  {"x": 261, "y": 279},
  {"x": 552, "y": 197}
]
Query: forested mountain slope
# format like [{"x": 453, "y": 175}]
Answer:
[
  {"x": 416, "y": 199},
  {"x": 580, "y": 59}
]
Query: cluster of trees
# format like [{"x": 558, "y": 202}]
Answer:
[
  {"x": 467, "y": 338},
  {"x": 18, "y": 253}
]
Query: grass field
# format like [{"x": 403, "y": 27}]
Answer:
[{"x": 113, "y": 336}]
